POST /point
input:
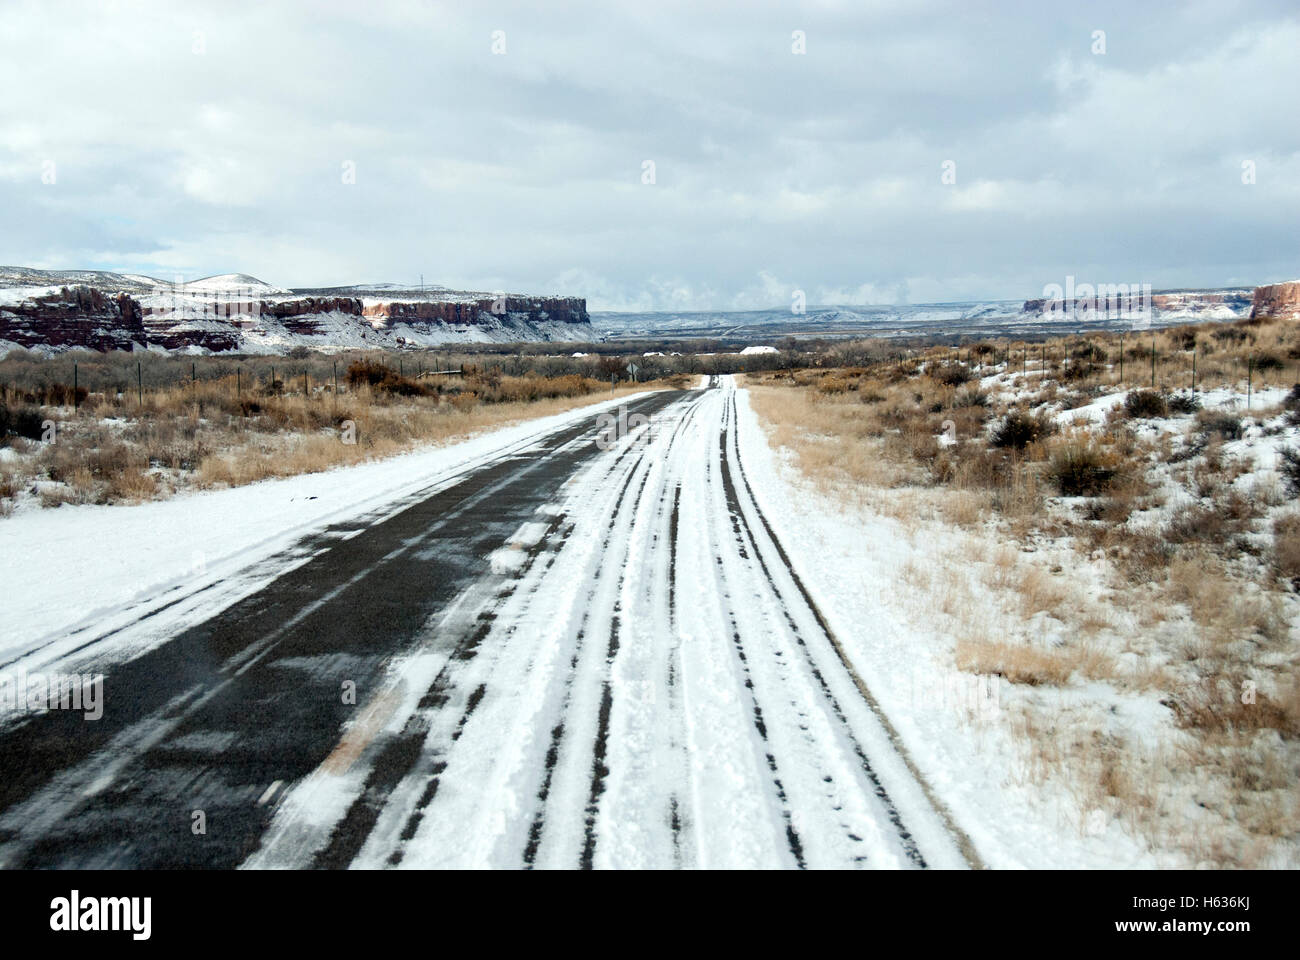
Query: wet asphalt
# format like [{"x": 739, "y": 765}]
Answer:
[{"x": 213, "y": 718}]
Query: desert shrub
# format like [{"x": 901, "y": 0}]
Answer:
[
  {"x": 1216, "y": 525},
  {"x": 23, "y": 421},
  {"x": 1141, "y": 557},
  {"x": 1286, "y": 547},
  {"x": 380, "y": 376},
  {"x": 952, "y": 374},
  {"x": 970, "y": 397},
  {"x": 1292, "y": 405},
  {"x": 1269, "y": 361},
  {"x": 833, "y": 385},
  {"x": 1019, "y": 429},
  {"x": 1145, "y": 404},
  {"x": 112, "y": 459},
  {"x": 1184, "y": 403},
  {"x": 1289, "y": 466},
  {"x": 904, "y": 370},
  {"x": 1233, "y": 334},
  {"x": 54, "y": 394},
  {"x": 1214, "y": 705},
  {"x": 131, "y": 484},
  {"x": 530, "y": 388},
  {"x": 1081, "y": 468},
  {"x": 368, "y": 372},
  {"x": 1226, "y": 425}
]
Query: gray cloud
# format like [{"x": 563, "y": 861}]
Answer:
[{"x": 773, "y": 171}]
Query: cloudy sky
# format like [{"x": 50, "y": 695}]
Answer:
[{"x": 192, "y": 138}]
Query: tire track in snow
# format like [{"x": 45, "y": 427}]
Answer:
[
  {"x": 646, "y": 511},
  {"x": 658, "y": 689},
  {"x": 958, "y": 836},
  {"x": 599, "y": 769},
  {"x": 516, "y": 717},
  {"x": 627, "y": 748},
  {"x": 744, "y": 536}
]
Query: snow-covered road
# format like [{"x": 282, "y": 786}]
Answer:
[{"x": 597, "y": 656}]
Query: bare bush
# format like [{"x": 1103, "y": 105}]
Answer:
[
  {"x": 1145, "y": 404},
  {"x": 1081, "y": 467},
  {"x": 1019, "y": 429}
]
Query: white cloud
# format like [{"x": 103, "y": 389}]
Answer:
[{"x": 774, "y": 171}]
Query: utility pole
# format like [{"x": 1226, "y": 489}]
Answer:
[
  {"x": 1121, "y": 358},
  {"x": 74, "y": 388}
]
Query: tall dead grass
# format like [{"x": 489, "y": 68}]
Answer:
[{"x": 222, "y": 432}]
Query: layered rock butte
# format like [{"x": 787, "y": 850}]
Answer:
[
  {"x": 107, "y": 311},
  {"x": 1277, "y": 300}
]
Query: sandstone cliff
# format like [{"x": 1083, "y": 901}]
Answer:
[
  {"x": 1166, "y": 305},
  {"x": 1277, "y": 300},
  {"x": 102, "y": 311}
]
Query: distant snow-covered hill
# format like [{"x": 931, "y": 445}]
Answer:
[{"x": 966, "y": 319}]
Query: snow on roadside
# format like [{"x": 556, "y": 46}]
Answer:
[
  {"x": 68, "y": 569},
  {"x": 854, "y": 564}
]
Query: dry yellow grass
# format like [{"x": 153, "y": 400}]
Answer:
[
  {"x": 1041, "y": 592},
  {"x": 1286, "y": 545},
  {"x": 1023, "y": 662},
  {"x": 1224, "y": 608},
  {"x": 832, "y": 441},
  {"x": 380, "y": 431},
  {"x": 210, "y": 435}
]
